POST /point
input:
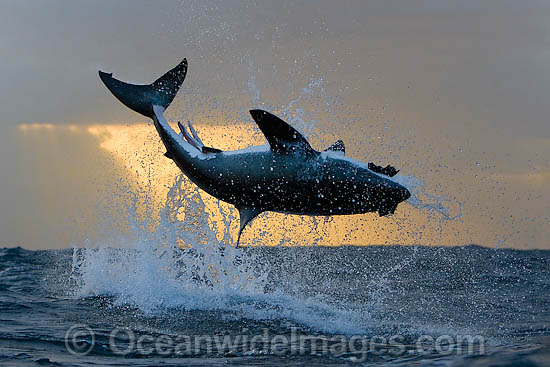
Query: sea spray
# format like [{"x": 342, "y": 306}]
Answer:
[
  {"x": 181, "y": 264},
  {"x": 184, "y": 258}
]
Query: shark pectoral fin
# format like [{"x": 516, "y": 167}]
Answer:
[
  {"x": 246, "y": 214},
  {"x": 337, "y": 146},
  {"x": 168, "y": 155},
  {"x": 388, "y": 170},
  {"x": 281, "y": 136}
]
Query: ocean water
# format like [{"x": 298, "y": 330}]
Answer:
[
  {"x": 171, "y": 292},
  {"x": 305, "y": 306}
]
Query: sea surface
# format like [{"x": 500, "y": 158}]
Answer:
[{"x": 280, "y": 306}]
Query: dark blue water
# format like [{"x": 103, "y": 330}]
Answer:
[{"x": 305, "y": 306}]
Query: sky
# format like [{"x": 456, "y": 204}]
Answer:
[{"x": 452, "y": 92}]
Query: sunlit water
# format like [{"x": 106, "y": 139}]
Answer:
[
  {"x": 176, "y": 277},
  {"x": 176, "y": 274}
]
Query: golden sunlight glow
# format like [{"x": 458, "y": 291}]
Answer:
[
  {"x": 137, "y": 149},
  {"x": 29, "y": 126}
]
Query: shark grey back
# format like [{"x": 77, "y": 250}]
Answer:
[{"x": 286, "y": 176}]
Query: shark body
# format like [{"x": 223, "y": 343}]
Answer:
[{"x": 287, "y": 175}]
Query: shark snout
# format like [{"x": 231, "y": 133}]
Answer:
[
  {"x": 394, "y": 194},
  {"x": 403, "y": 193},
  {"x": 398, "y": 193}
]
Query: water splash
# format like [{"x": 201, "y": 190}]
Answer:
[
  {"x": 179, "y": 262},
  {"x": 435, "y": 204},
  {"x": 185, "y": 259}
]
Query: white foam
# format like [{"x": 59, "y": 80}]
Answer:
[{"x": 153, "y": 274}]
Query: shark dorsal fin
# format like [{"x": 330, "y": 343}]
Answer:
[
  {"x": 337, "y": 146},
  {"x": 246, "y": 214},
  {"x": 281, "y": 136}
]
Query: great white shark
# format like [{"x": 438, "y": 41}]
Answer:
[{"x": 286, "y": 176}]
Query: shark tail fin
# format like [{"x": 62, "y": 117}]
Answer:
[{"x": 141, "y": 98}]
